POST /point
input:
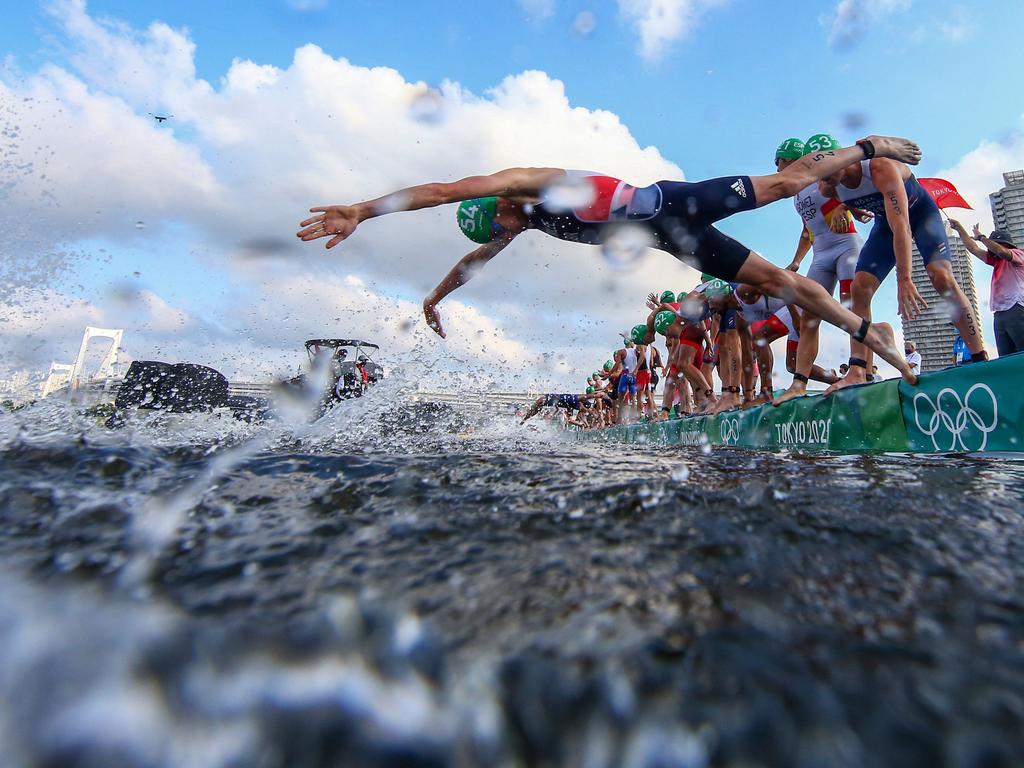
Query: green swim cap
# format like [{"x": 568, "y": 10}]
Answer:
[
  {"x": 663, "y": 321},
  {"x": 475, "y": 218},
  {"x": 681, "y": 295},
  {"x": 596, "y": 376},
  {"x": 706, "y": 276},
  {"x": 608, "y": 365},
  {"x": 668, "y": 296},
  {"x": 638, "y": 334},
  {"x": 821, "y": 142},
  {"x": 590, "y": 390},
  {"x": 790, "y": 149},
  {"x": 717, "y": 288}
]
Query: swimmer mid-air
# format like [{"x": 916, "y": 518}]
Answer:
[{"x": 679, "y": 216}]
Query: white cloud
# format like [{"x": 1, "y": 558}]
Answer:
[
  {"x": 852, "y": 18},
  {"x": 243, "y": 159},
  {"x": 662, "y": 22},
  {"x": 538, "y": 9},
  {"x": 954, "y": 27}
]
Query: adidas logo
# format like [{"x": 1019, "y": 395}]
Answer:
[{"x": 738, "y": 188}]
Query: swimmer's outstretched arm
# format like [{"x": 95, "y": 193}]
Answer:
[
  {"x": 534, "y": 410},
  {"x": 339, "y": 221},
  {"x": 460, "y": 274}
]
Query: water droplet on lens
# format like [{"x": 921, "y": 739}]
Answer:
[
  {"x": 584, "y": 24},
  {"x": 393, "y": 203},
  {"x": 427, "y": 107},
  {"x": 626, "y": 245},
  {"x": 568, "y": 193}
]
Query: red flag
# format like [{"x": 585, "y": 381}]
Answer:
[{"x": 944, "y": 194}]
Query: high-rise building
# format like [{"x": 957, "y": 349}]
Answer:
[
  {"x": 931, "y": 331},
  {"x": 1008, "y": 205}
]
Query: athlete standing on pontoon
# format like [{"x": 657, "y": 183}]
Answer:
[
  {"x": 828, "y": 228},
  {"x": 902, "y": 210},
  {"x": 679, "y": 215}
]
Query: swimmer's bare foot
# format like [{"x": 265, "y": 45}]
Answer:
[
  {"x": 896, "y": 148},
  {"x": 726, "y": 402},
  {"x": 761, "y": 399},
  {"x": 854, "y": 376},
  {"x": 796, "y": 389},
  {"x": 882, "y": 341},
  {"x": 706, "y": 406}
]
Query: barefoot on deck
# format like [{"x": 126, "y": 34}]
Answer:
[
  {"x": 725, "y": 403},
  {"x": 792, "y": 393},
  {"x": 850, "y": 380},
  {"x": 761, "y": 399}
]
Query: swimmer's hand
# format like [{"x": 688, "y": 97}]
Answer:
[
  {"x": 794, "y": 266},
  {"x": 433, "y": 318},
  {"x": 908, "y": 300},
  {"x": 334, "y": 221},
  {"x": 861, "y": 215},
  {"x": 839, "y": 224},
  {"x": 653, "y": 302}
]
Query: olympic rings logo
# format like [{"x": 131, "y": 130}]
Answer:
[
  {"x": 959, "y": 418},
  {"x": 730, "y": 431}
]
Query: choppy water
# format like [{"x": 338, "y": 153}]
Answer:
[{"x": 195, "y": 591}]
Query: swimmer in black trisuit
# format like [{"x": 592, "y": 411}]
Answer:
[
  {"x": 498, "y": 207},
  {"x": 567, "y": 402}
]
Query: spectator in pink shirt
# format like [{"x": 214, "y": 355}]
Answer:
[{"x": 1007, "y": 300}]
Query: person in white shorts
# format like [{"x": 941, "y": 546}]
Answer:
[{"x": 827, "y": 227}]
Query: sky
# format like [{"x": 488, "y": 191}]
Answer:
[{"x": 182, "y": 232}]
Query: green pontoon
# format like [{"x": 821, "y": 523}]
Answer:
[{"x": 971, "y": 409}]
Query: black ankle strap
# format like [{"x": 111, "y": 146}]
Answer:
[
  {"x": 868, "y": 147},
  {"x": 800, "y": 377},
  {"x": 856, "y": 361},
  {"x": 979, "y": 357},
  {"x": 862, "y": 331}
]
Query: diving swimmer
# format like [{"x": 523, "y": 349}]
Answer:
[{"x": 497, "y": 208}]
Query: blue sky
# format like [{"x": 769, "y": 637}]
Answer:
[{"x": 714, "y": 99}]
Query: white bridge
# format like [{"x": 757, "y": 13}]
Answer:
[{"x": 69, "y": 378}]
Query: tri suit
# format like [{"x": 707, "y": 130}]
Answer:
[
  {"x": 772, "y": 313},
  {"x": 835, "y": 253},
  {"x": 678, "y": 214},
  {"x": 643, "y": 370},
  {"x": 569, "y": 402},
  {"x": 878, "y": 256},
  {"x": 627, "y": 379}
]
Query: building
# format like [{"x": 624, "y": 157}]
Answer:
[
  {"x": 1008, "y": 205},
  {"x": 931, "y": 331}
]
